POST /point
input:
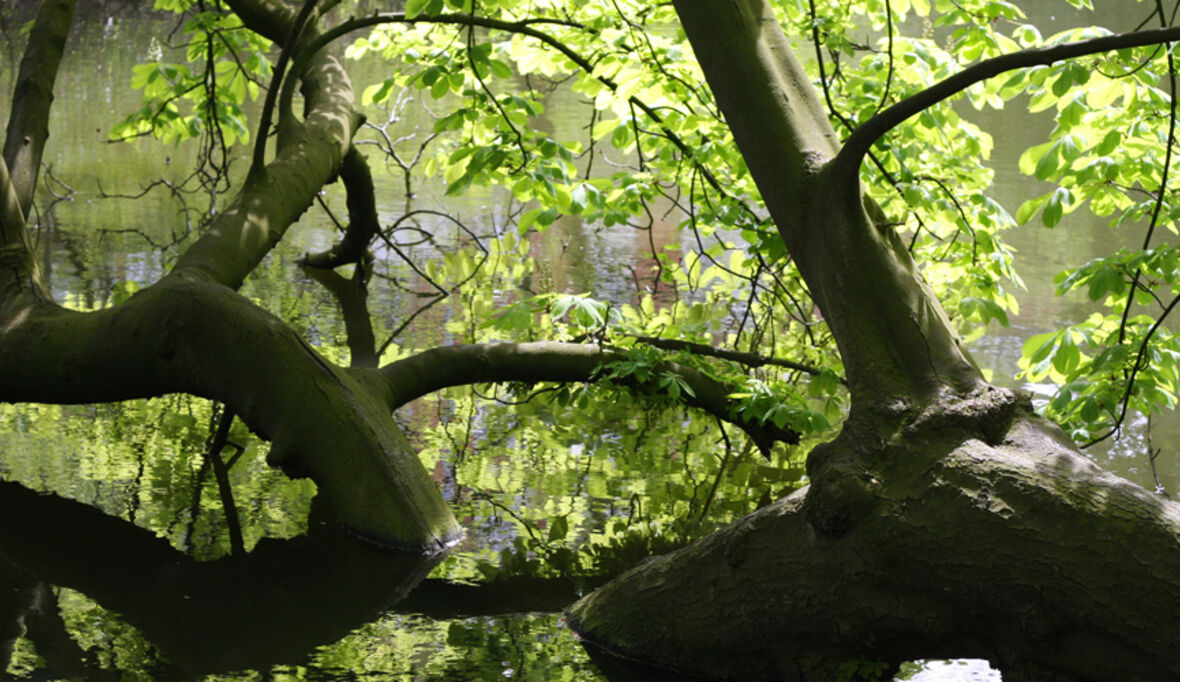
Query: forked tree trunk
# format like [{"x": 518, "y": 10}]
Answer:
[{"x": 946, "y": 519}]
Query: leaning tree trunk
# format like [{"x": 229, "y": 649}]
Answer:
[
  {"x": 190, "y": 332},
  {"x": 946, "y": 519}
]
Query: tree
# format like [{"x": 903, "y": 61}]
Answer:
[
  {"x": 945, "y": 518},
  {"x": 892, "y": 543}
]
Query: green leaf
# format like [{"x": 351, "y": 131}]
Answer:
[
  {"x": 1030, "y": 207},
  {"x": 500, "y": 69},
  {"x": 1063, "y": 83},
  {"x": 1060, "y": 199},
  {"x": 1039, "y": 346},
  {"x": 558, "y": 529},
  {"x": 415, "y": 7},
  {"x": 1106, "y": 280},
  {"x": 1066, "y": 359},
  {"x": 1030, "y": 158},
  {"x": 1048, "y": 164}
]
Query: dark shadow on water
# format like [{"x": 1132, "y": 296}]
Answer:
[
  {"x": 616, "y": 669},
  {"x": 271, "y": 606}
]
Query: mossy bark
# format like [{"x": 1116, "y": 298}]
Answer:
[
  {"x": 946, "y": 519},
  {"x": 190, "y": 332},
  {"x": 951, "y": 542},
  {"x": 204, "y": 339}
]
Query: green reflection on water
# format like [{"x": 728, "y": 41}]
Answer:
[{"x": 543, "y": 491}]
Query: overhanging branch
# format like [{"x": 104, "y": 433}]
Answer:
[
  {"x": 200, "y": 338},
  {"x": 867, "y": 133},
  {"x": 271, "y": 201},
  {"x": 740, "y": 357},
  {"x": 438, "y": 368}
]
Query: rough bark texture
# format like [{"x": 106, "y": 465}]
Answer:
[
  {"x": 946, "y": 519},
  {"x": 1017, "y": 550},
  {"x": 191, "y": 333}
]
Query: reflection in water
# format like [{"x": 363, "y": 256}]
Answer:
[
  {"x": 96, "y": 595},
  {"x": 267, "y": 610},
  {"x": 268, "y": 607}
]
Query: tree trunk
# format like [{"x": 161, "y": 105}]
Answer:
[
  {"x": 946, "y": 519},
  {"x": 1017, "y": 550},
  {"x": 190, "y": 332}
]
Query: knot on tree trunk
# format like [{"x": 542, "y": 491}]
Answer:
[
  {"x": 848, "y": 474},
  {"x": 986, "y": 411}
]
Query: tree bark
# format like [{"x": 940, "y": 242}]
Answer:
[
  {"x": 363, "y": 223},
  {"x": 946, "y": 519},
  {"x": 204, "y": 339},
  {"x": 191, "y": 333},
  {"x": 1019, "y": 551},
  {"x": 409, "y": 378}
]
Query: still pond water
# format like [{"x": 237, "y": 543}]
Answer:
[{"x": 548, "y": 499}]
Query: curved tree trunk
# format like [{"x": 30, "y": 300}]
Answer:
[
  {"x": 1018, "y": 550},
  {"x": 190, "y": 332},
  {"x": 946, "y": 519},
  {"x": 204, "y": 339}
]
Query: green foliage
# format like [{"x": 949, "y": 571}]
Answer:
[
  {"x": 1107, "y": 152},
  {"x": 584, "y": 480},
  {"x": 225, "y": 65},
  {"x": 857, "y": 669},
  {"x": 652, "y": 150}
]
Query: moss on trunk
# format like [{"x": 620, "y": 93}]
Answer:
[{"x": 1019, "y": 551}]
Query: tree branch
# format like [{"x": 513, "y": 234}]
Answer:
[
  {"x": 272, "y": 92},
  {"x": 352, "y": 295},
  {"x": 867, "y": 133},
  {"x": 20, "y": 272},
  {"x": 196, "y": 337},
  {"x": 28, "y": 129},
  {"x": 363, "y": 223},
  {"x": 740, "y": 357},
  {"x": 271, "y": 201},
  {"x": 28, "y": 122},
  {"x": 459, "y": 365}
]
